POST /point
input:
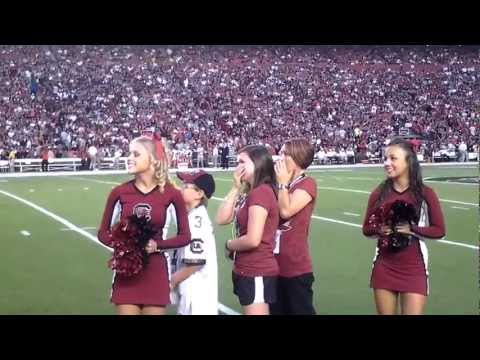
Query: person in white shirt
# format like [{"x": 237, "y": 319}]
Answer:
[
  {"x": 194, "y": 280},
  {"x": 350, "y": 155},
  {"x": 116, "y": 159},
  {"x": 215, "y": 156},
  {"x": 200, "y": 156},
  {"x": 463, "y": 154},
  {"x": 321, "y": 156},
  {"x": 330, "y": 155},
  {"x": 343, "y": 156},
  {"x": 92, "y": 153}
]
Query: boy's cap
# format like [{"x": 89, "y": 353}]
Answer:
[{"x": 200, "y": 179}]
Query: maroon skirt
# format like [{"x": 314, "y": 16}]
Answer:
[
  {"x": 150, "y": 286},
  {"x": 404, "y": 272}
]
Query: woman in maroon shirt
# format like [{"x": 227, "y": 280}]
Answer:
[
  {"x": 252, "y": 205},
  {"x": 296, "y": 198},
  {"x": 403, "y": 274},
  {"x": 149, "y": 194}
]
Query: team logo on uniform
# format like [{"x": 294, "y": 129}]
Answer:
[
  {"x": 196, "y": 246},
  {"x": 143, "y": 210}
]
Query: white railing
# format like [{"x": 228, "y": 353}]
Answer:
[
  {"x": 61, "y": 164},
  {"x": 445, "y": 155},
  {"x": 111, "y": 164}
]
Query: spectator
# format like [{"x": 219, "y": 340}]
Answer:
[
  {"x": 11, "y": 160},
  {"x": 225, "y": 156},
  {"x": 92, "y": 154},
  {"x": 462, "y": 152},
  {"x": 343, "y": 156},
  {"x": 321, "y": 156},
  {"x": 45, "y": 157},
  {"x": 215, "y": 156},
  {"x": 116, "y": 159},
  {"x": 200, "y": 162}
]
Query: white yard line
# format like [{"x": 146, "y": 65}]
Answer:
[
  {"x": 360, "y": 178},
  {"x": 226, "y": 310},
  {"x": 368, "y": 192},
  {"x": 86, "y": 234},
  {"x": 351, "y": 214},
  {"x": 460, "y": 208},
  {"x": 335, "y": 170},
  {"x": 93, "y": 180},
  {"x": 426, "y": 180},
  {"x": 459, "y": 244},
  {"x": 83, "y": 228},
  {"x": 458, "y": 202},
  {"x": 342, "y": 189},
  {"x": 450, "y": 183},
  {"x": 335, "y": 221},
  {"x": 457, "y": 167}
]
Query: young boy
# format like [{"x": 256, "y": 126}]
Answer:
[{"x": 194, "y": 277}]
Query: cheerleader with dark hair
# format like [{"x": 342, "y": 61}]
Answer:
[{"x": 402, "y": 213}]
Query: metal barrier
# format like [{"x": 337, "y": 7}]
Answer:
[{"x": 61, "y": 164}]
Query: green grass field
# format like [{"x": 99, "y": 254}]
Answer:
[{"x": 47, "y": 268}]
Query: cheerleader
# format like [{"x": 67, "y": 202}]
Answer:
[
  {"x": 402, "y": 275},
  {"x": 149, "y": 194}
]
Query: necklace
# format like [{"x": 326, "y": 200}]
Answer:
[{"x": 296, "y": 180}]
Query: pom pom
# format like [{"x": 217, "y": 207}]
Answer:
[
  {"x": 393, "y": 214},
  {"x": 129, "y": 239},
  {"x": 401, "y": 212}
]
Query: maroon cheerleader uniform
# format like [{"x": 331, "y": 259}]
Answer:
[
  {"x": 406, "y": 270},
  {"x": 151, "y": 285}
]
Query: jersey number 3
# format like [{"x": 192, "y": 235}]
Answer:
[{"x": 198, "y": 222}]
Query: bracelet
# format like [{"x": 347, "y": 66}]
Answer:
[{"x": 282, "y": 187}]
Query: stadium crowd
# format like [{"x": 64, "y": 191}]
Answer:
[{"x": 344, "y": 99}]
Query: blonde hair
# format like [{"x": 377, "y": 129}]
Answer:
[{"x": 160, "y": 174}]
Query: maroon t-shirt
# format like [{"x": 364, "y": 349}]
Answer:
[
  {"x": 126, "y": 200},
  {"x": 294, "y": 256},
  {"x": 261, "y": 260}
]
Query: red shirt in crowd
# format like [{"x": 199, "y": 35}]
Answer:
[{"x": 44, "y": 154}]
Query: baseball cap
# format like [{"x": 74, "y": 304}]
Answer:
[{"x": 200, "y": 179}]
